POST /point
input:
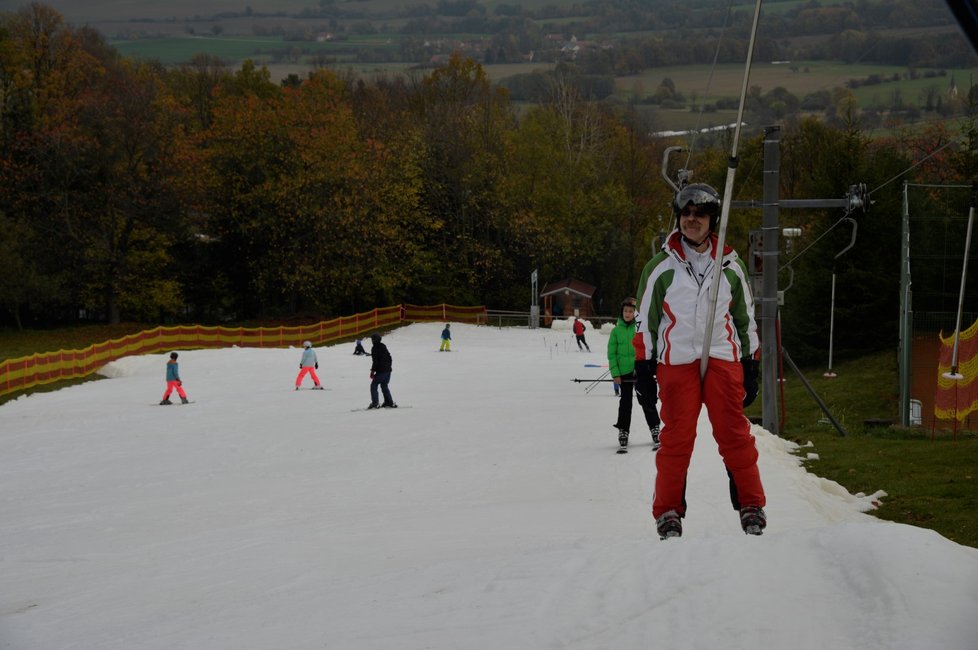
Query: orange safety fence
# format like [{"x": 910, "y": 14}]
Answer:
[
  {"x": 48, "y": 367},
  {"x": 956, "y": 398}
]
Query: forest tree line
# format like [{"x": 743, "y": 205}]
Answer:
[{"x": 129, "y": 191}]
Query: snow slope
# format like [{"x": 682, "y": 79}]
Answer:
[{"x": 493, "y": 513}]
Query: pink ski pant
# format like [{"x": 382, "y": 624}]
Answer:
[
  {"x": 174, "y": 385},
  {"x": 682, "y": 393},
  {"x": 307, "y": 371}
]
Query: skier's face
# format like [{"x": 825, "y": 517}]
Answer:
[
  {"x": 694, "y": 223},
  {"x": 628, "y": 313}
]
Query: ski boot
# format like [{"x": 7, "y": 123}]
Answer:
[
  {"x": 373, "y": 405},
  {"x": 753, "y": 520},
  {"x": 388, "y": 405},
  {"x": 655, "y": 438},
  {"x": 623, "y": 438},
  {"x": 165, "y": 402},
  {"x": 669, "y": 525},
  {"x": 184, "y": 400},
  {"x": 318, "y": 387}
]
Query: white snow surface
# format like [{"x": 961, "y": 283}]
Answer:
[{"x": 493, "y": 513}]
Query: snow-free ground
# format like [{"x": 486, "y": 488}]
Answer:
[{"x": 491, "y": 514}]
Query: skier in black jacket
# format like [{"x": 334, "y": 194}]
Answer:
[{"x": 380, "y": 374}]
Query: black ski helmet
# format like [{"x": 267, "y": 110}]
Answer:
[
  {"x": 173, "y": 355},
  {"x": 701, "y": 195}
]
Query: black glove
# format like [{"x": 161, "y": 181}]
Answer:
[
  {"x": 317, "y": 365},
  {"x": 750, "y": 380},
  {"x": 645, "y": 387}
]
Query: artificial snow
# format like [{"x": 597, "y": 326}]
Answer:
[{"x": 492, "y": 514}]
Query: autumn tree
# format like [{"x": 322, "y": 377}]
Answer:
[
  {"x": 315, "y": 217},
  {"x": 464, "y": 124},
  {"x": 92, "y": 146}
]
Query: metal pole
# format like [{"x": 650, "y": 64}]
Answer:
[
  {"x": 852, "y": 243},
  {"x": 728, "y": 197},
  {"x": 811, "y": 391},
  {"x": 964, "y": 277},
  {"x": 829, "y": 372},
  {"x": 595, "y": 381},
  {"x": 771, "y": 245},
  {"x": 906, "y": 312}
]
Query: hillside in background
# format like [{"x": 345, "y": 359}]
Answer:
[{"x": 633, "y": 47}]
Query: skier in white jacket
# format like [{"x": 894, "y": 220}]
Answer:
[
  {"x": 308, "y": 366},
  {"x": 673, "y": 307}
]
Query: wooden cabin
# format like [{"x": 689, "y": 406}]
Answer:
[{"x": 567, "y": 298}]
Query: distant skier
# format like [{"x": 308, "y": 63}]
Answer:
[
  {"x": 358, "y": 350},
  {"x": 173, "y": 381},
  {"x": 308, "y": 365},
  {"x": 380, "y": 374},
  {"x": 579, "y": 333},
  {"x": 446, "y": 339}
]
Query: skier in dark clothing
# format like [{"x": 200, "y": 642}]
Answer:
[
  {"x": 380, "y": 374},
  {"x": 358, "y": 350},
  {"x": 446, "y": 339}
]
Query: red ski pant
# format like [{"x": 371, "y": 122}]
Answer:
[
  {"x": 682, "y": 393},
  {"x": 174, "y": 385},
  {"x": 309, "y": 370}
]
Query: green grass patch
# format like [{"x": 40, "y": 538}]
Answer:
[
  {"x": 930, "y": 481},
  {"x": 14, "y": 343},
  {"x": 799, "y": 77}
]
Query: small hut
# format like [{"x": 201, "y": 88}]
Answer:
[{"x": 567, "y": 298}]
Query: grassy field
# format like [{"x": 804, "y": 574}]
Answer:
[
  {"x": 699, "y": 82},
  {"x": 107, "y": 10},
  {"x": 173, "y": 32},
  {"x": 930, "y": 481},
  {"x": 801, "y": 78},
  {"x": 95, "y": 11}
]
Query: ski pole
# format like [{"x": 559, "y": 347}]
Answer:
[{"x": 595, "y": 383}]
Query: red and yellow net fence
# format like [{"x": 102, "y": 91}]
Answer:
[
  {"x": 957, "y": 398},
  {"x": 47, "y": 367}
]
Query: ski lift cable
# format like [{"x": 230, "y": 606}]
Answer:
[
  {"x": 915, "y": 165},
  {"x": 868, "y": 194},
  {"x": 844, "y": 217},
  {"x": 709, "y": 84},
  {"x": 727, "y": 195}
]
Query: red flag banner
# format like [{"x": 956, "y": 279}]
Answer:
[{"x": 956, "y": 398}]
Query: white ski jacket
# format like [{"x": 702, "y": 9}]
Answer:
[{"x": 673, "y": 307}]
